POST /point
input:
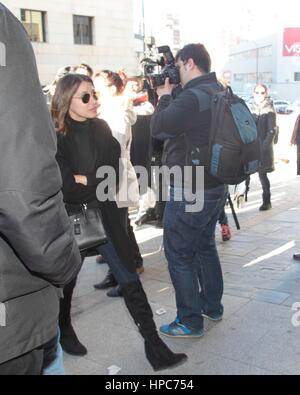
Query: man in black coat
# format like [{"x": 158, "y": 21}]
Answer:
[
  {"x": 38, "y": 254},
  {"x": 189, "y": 239}
]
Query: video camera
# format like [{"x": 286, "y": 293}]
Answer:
[{"x": 157, "y": 68}]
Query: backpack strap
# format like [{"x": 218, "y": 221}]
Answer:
[
  {"x": 197, "y": 156},
  {"x": 203, "y": 97}
]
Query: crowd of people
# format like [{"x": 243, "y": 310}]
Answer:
[
  {"x": 40, "y": 261},
  {"x": 104, "y": 118}
]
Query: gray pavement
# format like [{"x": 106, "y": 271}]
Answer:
[{"x": 262, "y": 283}]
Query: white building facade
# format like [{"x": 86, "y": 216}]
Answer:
[
  {"x": 273, "y": 60},
  {"x": 69, "y": 32}
]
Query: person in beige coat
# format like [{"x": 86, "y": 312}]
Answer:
[{"x": 116, "y": 108}]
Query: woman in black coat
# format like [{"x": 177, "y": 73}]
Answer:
[
  {"x": 265, "y": 117},
  {"x": 296, "y": 141},
  {"x": 86, "y": 144}
]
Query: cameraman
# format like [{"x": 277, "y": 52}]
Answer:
[{"x": 189, "y": 238}]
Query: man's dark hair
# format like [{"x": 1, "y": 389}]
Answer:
[{"x": 198, "y": 53}]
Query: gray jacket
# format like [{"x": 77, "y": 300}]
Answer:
[{"x": 38, "y": 253}]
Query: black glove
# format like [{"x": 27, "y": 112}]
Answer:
[{"x": 268, "y": 141}]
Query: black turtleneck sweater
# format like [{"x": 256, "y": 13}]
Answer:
[
  {"x": 86, "y": 147},
  {"x": 82, "y": 134}
]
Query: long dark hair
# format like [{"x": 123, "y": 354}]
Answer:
[{"x": 64, "y": 92}]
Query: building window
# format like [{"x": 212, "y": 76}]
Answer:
[
  {"x": 251, "y": 78},
  {"x": 83, "y": 29},
  {"x": 262, "y": 52},
  {"x": 245, "y": 55},
  {"x": 34, "y": 23},
  {"x": 265, "y": 52},
  {"x": 266, "y": 77},
  {"x": 297, "y": 76},
  {"x": 245, "y": 78}
]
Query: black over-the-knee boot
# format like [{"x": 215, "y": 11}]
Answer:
[
  {"x": 157, "y": 352},
  {"x": 266, "y": 202},
  {"x": 68, "y": 338},
  {"x": 137, "y": 253}
]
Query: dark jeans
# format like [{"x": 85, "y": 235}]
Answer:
[
  {"x": 265, "y": 183},
  {"x": 192, "y": 256},
  {"x": 121, "y": 274}
]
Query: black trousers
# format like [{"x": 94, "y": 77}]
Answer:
[
  {"x": 137, "y": 253},
  {"x": 266, "y": 186},
  {"x": 126, "y": 221},
  {"x": 65, "y": 303}
]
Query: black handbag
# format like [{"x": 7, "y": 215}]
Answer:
[{"x": 88, "y": 228}]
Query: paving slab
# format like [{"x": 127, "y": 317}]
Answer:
[
  {"x": 280, "y": 354},
  {"x": 213, "y": 365},
  {"x": 273, "y": 297}
]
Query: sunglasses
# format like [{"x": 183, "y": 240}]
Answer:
[
  {"x": 260, "y": 93},
  {"x": 86, "y": 97}
]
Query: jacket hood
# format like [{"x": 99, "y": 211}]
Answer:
[{"x": 21, "y": 95}]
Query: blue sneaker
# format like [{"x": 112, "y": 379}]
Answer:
[
  {"x": 213, "y": 316},
  {"x": 177, "y": 329}
]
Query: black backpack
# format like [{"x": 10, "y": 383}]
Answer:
[{"x": 233, "y": 152}]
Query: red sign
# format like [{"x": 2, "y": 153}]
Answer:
[{"x": 291, "y": 41}]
